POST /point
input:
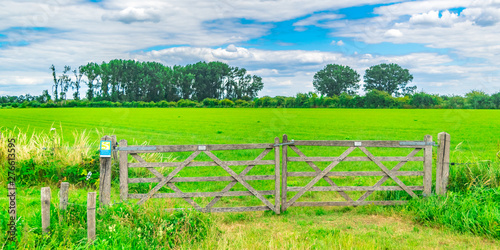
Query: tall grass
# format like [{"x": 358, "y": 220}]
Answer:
[
  {"x": 42, "y": 146},
  {"x": 47, "y": 157}
]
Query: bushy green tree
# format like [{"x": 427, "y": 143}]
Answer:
[
  {"x": 336, "y": 79},
  {"x": 390, "y": 78}
]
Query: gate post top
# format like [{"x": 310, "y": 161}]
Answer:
[
  {"x": 428, "y": 138},
  {"x": 444, "y": 136},
  {"x": 285, "y": 138},
  {"x": 276, "y": 140}
]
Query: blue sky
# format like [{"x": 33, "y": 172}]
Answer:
[{"x": 450, "y": 46}]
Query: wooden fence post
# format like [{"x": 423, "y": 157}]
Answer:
[
  {"x": 91, "y": 207},
  {"x": 113, "y": 144},
  {"x": 428, "y": 166},
  {"x": 63, "y": 195},
  {"x": 443, "y": 163},
  {"x": 105, "y": 178},
  {"x": 283, "y": 174},
  {"x": 123, "y": 172},
  {"x": 45, "y": 194},
  {"x": 277, "y": 175}
]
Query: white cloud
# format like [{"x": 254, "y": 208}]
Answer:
[
  {"x": 393, "y": 33},
  {"x": 131, "y": 15},
  {"x": 435, "y": 18}
]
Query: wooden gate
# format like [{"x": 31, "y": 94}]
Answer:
[
  {"x": 170, "y": 180},
  {"x": 326, "y": 173}
]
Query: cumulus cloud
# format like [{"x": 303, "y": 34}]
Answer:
[
  {"x": 393, "y": 33},
  {"x": 132, "y": 15},
  {"x": 436, "y": 18}
]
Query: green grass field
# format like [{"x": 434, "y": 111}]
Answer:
[{"x": 474, "y": 134}]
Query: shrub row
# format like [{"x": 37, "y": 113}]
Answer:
[{"x": 372, "y": 99}]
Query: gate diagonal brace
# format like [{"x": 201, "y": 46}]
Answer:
[
  {"x": 385, "y": 178},
  {"x": 320, "y": 176},
  {"x": 240, "y": 180},
  {"x": 387, "y": 172},
  {"x": 318, "y": 170},
  {"x": 234, "y": 182},
  {"x": 166, "y": 179}
]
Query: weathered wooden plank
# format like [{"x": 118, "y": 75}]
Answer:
[
  {"x": 63, "y": 195},
  {"x": 356, "y": 158},
  {"x": 210, "y": 147},
  {"x": 123, "y": 160},
  {"x": 277, "y": 176},
  {"x": 389, "y": 173},
  {"x": 318, "y": 170},
  {"x": 284, "y": 173},
  {"x": 355, "y": 188},
  {"x": 201, "y": 194},
  {"x": 165, "y": 180},
  {"x": 91, "y": 207},
  {"x": 346, "y": 203},
  {"x": 239, "y": 209},
  {"x": 359, "y": 173},
  {"x": 203, "y": 179},
  {"x": 238, "y": 178},
  {"x": 395, "y": 170},
  {"x": 380, "y": 144},
  {"x": 428, "y": 166},
  {"x": 199, "y": 163},
  {"x": 234, "y": 181},
  {"x": 45, "y": 207},
  {"x": 320, "y": 175},
  {"x": 105, "y": 178},
  {"x": 443, "y": 163}
]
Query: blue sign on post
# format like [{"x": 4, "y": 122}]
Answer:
[{"x": 105, "y": 149}]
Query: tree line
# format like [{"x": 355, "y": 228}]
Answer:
[
  {"x": 129, "y": 83},
  {"x": 130, "y": 80}
]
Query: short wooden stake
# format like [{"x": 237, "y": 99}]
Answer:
[
  {"x": 45, "y": 194},
  {"x": 123, "y": 172},
  {"x": 91, "y": 207},
  {"x": 427, "y": 166},
  {"x": 63, "y": 196},
  {"x": 443, "y": 163},
  {"x": 105, "y": 178}
]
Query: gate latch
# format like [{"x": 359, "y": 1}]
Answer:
[{"x": 284, "y": 143}]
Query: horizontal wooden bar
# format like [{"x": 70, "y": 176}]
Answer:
[
  {"x": 200, "y": 194},
  {"x": 357, "y": 158},
  {"x": 238, "y": 209},
  {"x": 202, "y": 179},
  {"x": 345, "y": 203},
  {"x": 211, "y": 147},
  {"x": 359, "y": 173},
  {"x": 381, "y": 144},
  {"x": 199, "y": 164},
  {"x": 354, "y": 188}
]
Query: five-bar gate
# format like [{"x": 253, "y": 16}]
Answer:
[
  {"x": 170, "y": 180},
  {"x": 327, "y": 172}
]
